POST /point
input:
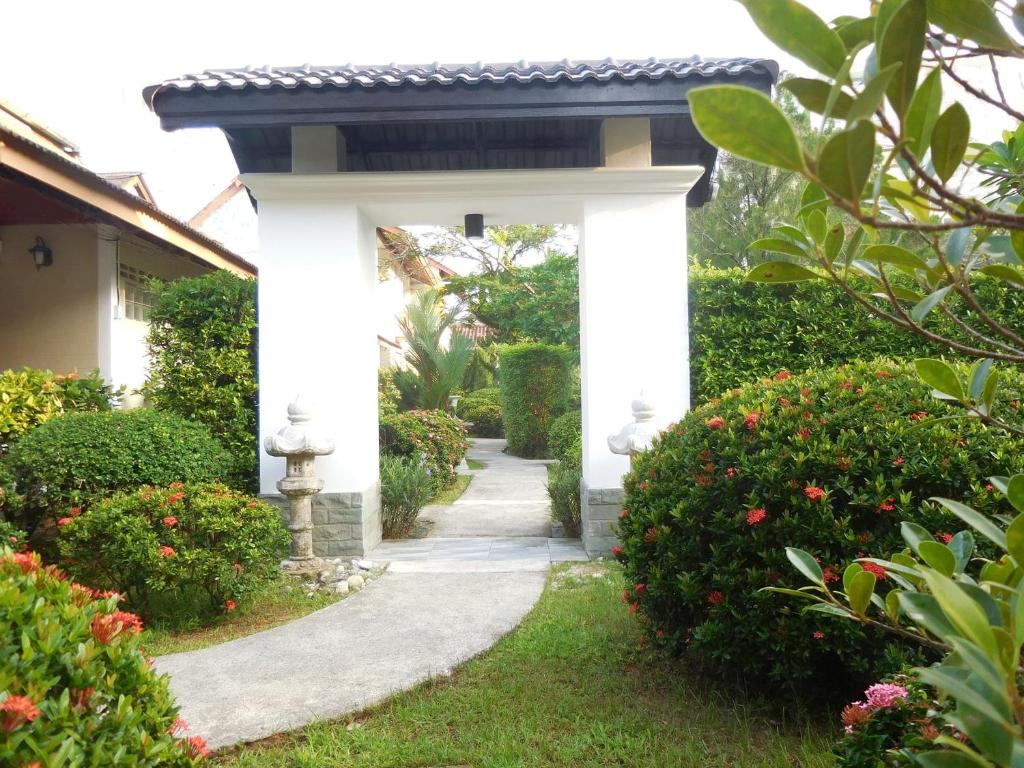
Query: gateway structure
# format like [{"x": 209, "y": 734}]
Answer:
[{"x": 330, "y": 153}]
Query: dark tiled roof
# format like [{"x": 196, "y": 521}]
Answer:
[{"x": 345, "y": 76}]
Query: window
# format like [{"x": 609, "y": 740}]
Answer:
[{"x": 136, "y": 301}]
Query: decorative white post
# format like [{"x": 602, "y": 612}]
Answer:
[
  {"x": 637, "y": 436},
  {"x": 300, "y": 444}
]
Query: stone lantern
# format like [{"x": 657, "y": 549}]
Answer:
[
  {"x": 637, "y": 436},
  {"x": 300, "y": 443}
]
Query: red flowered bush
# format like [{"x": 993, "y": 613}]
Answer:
[
  {"x": 219, "y": 546},
  {"x": 434, "y": 437},
  {"x": 74, "y": 681},
  {"x": 713, "y": 505}
]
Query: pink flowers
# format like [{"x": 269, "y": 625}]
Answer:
[
  {"x": 946, "y": 537},
  {"x": 18, "y": 710},
  {"x": 75, "y": 511},
  {"x": 819, "y": 635},
  {"x": 716, "y": 598},
  {"x": 814, "y": 493},
  {"x": 64, "y": 521},
  {"x": 918, "y": 415},
  {"x": 166, "y": 551},
  {"x": 170, "y": 521},
  {"x": 899, "y": 461},
  {"x": 756, "y": 516},
  {"x": 644, "y": 486},
  {"x": 640, "y": 589},
  {"x": 885, "y": 695},
  {"x": 26, "y": 561},
  {"x": 887, "y": 506},
  {"x": 750, "y": 422},
  {"x": 196, "y": 747},
  {"x": 617, "y": 551},
  {"x": 730, "y": 472},
  {"x": 715, "y": 422}
]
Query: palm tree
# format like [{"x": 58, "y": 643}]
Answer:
[{"x": 439, "y": 367}]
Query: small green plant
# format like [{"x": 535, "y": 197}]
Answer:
[
  {"x": 536, "y": 388},
  {"x": 76, "y": 687},
  {"x": 30, "y": 397},
  {"x": 564, "y": 436},
  {"x": 388, "y": 395},
  {"x": 202, "y": 343},
  {"x": 178, "y": 551},
  {"x": 564, "y": 487},
  {"x": 405, "y": 488},
  {"x": 433, "y": 437},
  {"x": 482, "y": 409},
  {"x": 827, "y": 461},
  {"x": 74, "y": 459}
]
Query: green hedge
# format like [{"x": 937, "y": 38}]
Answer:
[
  {"x": 536, "y": 388},
  {"x": 482, "y": 409},
  {"x": 740, "y": 331}
]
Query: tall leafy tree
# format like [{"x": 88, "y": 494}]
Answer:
[
  {"x": 501, "y": 248},
  {"x": 440, "y": 362}
]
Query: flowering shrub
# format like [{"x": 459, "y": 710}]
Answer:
[
  {"x": 30, "y": 397},
  {"x": 405, "y": 487},
  {"x": 829, "y": 462},
  {"x": 180, "y": 549},
  {"x": 74, "y": 680},
  {"x": 76, "y": 458},
  {"x": 482, "y": 409},
  {"x": 435, "y": 436}
]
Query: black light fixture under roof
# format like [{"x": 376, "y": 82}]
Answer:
[
  {"x": 42, "y": 255},
  {"x": 474, "y": 226}
]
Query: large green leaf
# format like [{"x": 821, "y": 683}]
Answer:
[
  {"x": 797, "y": 30},
  {"x": 780, "y": 272},
  {"x": 896, "y": 255},
  {"x": 922, "y": 113},
  {"x": 813, "y": 96},
  {"x": 1015, "y": 493},
  {"x": 778, "y": 245},
  {"x": 862, "y": 586},
  {"x": 962, "y": 546},
  {"x": 856, "y": 32},
  {"x": 975, "y": 519},
  {"x": 928, "y": 303},
  {"x": 950, "y": 136},
  {"x": 1015, "y": 539},
  {"x": 939, "y": 375},
  {"x": 962, "y": 611},
  {"x": 845, "y": 161},
  {"x": 806, "y": 564},
  {"x": 972, "y": 20},
  {"x": 938, "y": 556},
  {"x": 901, "y": 42},
  {"x": 746, "y": 123},
  {"x": 870, "y": 99},
  {"x": 922, "y": 609}
]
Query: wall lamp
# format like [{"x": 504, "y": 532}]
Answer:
[
  {"x": 474, "y": 226},
  {"x": 42, "y": 255}
]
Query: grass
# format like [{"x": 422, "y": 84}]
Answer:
[
  {"x": 450, "y": 495},
  {"x": 280, "y": 603},
  {"x": 569, "y": 688},
  {"x": 475, "y": 464}
]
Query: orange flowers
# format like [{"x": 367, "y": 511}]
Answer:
[
  {"x": 230, "y": 605},
  {"x": 17, "y": 711},
  {"x": 716, "y": 598},
  {"x": 174, "y": 498},
  {"x": 756, "y": 516},
  {"x": 108, "y": 626},
  {"x": 876, "y": 569},
  {"x": 166, "y": 551},
  {"x": 170, "y": 521},
  {"x": 715, "y": 422},
  {"x": 750, "y": 422},
  {"x": 814, "y": 493},
  {"x": 64, "y": 521}
]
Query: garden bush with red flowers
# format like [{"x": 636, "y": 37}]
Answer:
[
  {"x": 75, "y": 685},
  {"x": 176, "y": 553},
  {"x": 829, "y": 462},
  {"x": 432, "y": 436}
]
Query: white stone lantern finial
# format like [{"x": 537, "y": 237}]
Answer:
[{"x": 638, "y": 435}]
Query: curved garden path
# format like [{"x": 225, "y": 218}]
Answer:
[{"x": 443, "y": 600}]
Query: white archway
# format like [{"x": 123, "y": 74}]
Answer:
[{"x": 317, "y": 283}]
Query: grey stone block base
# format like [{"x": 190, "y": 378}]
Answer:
[
  {"x": 600, "y": 511},
  {"x": 343, "y": 523}
]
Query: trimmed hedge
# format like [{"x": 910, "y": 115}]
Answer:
[
  {"x": 482, "y": 409},
  {"x": 77, "y": 458},
  {"x": 740, "y": 331},
  {"x": 564, "y": 487},
  {"x": 565, "y": 433},
  {"x": 536, "y": 388},
  {"x": 829, "y": 462}
]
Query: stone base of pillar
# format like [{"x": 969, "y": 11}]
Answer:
[
  {"x": 343, "y": 523},
  {"x": 600, "y": 509}
]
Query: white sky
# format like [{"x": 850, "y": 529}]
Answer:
[{"x": 80, "y": 66}]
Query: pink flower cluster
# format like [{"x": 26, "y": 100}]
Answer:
[{"x": 878, "y": 696}]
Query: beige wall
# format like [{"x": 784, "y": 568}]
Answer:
[{"x": 49, "y": 318}]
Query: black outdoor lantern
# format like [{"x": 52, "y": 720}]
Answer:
[
  {"x": 42, "y": 255},
  {"x": 474, "y": 226}
]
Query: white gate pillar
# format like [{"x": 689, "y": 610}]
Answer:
[
  {"x": 634, "y": 336},
  {"x": 318, "y": 274}
]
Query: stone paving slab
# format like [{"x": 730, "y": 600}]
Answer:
[{"x": 483, "y": 549}]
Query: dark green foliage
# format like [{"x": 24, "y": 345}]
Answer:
[
  {"x": 202, "y": 342},
  {"x": 388, "y": 395},
  {"x": 74, "y": 459},
  {"x": 564, "y": 434},
  {"x": 539, "y": 303},
  {"x": 11, "y": 536},
  {"x": 535, "y": 389},
  {"x": 176, "y": 553},
  {"x": 75, "y": 665},
  {"x": 405, "y": 488},
  {"x": 482, "y": 409},
  {"x": 741, "y": 331},
  {"x": 434, "y": 437},
  {"x": 829, "y": 462},
  {"x": 564, "y": 487},
  {"x": 408, "y": 384}
]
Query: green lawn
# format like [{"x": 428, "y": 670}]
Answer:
[
  {"x": 281, "y": 602},
  {"x": 569, "y": 687},
  {"x": 450, "y": 495},
  {"x": 475, "y": 464}
]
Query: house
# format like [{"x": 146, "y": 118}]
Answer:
[
  {"x": 403, "y": 270},
  {"x": 76, "y": 250}
]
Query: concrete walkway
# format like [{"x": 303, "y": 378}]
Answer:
[{"x": 443, "y": 600}]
